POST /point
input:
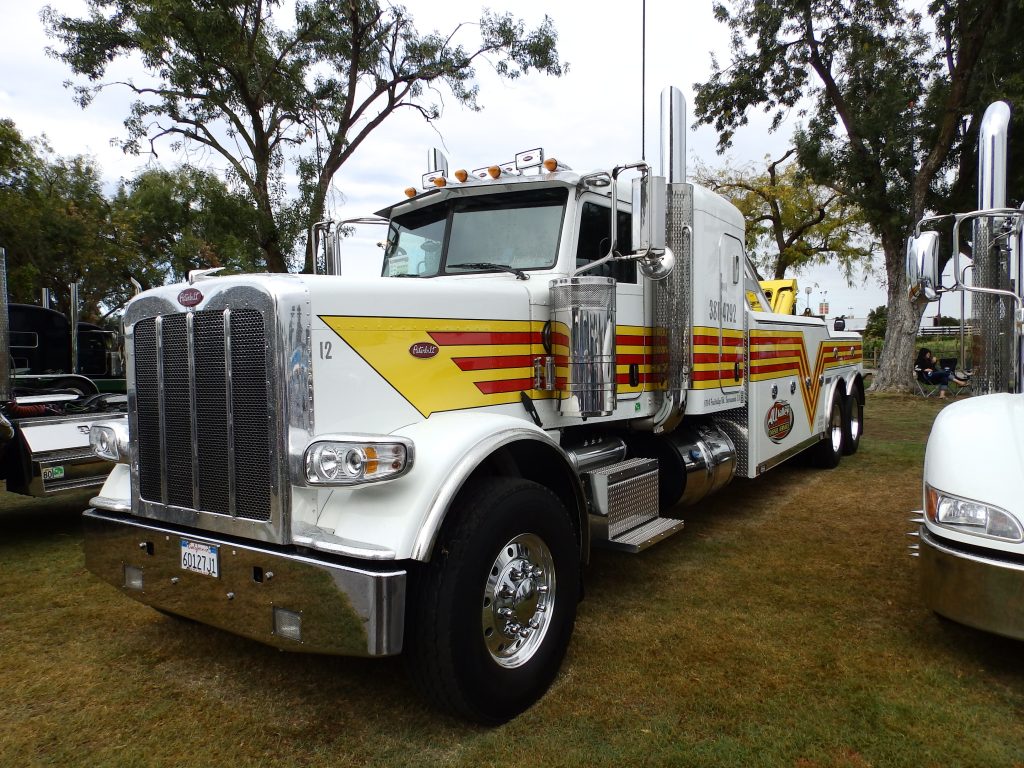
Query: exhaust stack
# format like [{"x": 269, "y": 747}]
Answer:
[
  {"x": 995, "y": 126},
  {"x": 993, "y": 348},
  {"x": 673, "y": 136},
  {"x": 672, "y": 295}
]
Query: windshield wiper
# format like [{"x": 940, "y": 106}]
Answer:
[{"x": 520, "y": 275}]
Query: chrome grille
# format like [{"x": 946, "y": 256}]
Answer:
[{"x": 203, "y": 414}]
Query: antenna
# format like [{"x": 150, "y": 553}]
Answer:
[{"x": 643, "y": 81}]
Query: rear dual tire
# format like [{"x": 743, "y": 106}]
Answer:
[{"x": 827, "y": 453}]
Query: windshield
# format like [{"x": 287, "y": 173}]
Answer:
[{"x": 483, "y": 233}]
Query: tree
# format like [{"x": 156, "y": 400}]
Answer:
[
  {"x": 791, "y": 221},
  {"x": 55, "y": 224},
  {"x": 884, "y": 103},
  {"x": 226, "y": 77},
  {"x": 877, "y": 320},
  {"x": 187, "y": 218}
]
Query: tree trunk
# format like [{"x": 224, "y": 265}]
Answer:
[
  {"x": 269, "y": 234},
  {"x": 316, "y": 214},
  {"x": 896, "y": 367}
]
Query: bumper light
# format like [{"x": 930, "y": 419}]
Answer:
[
  {"x": 109, "y": 440},
  {"x": 288, "y": 624},
  {"x": 971, "y": 517},
  {"x": 133, "y": 577},
  {"x": 353, "y": 460}
]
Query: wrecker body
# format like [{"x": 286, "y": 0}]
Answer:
[{"x": 421, "y": 462}]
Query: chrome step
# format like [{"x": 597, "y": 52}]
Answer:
[{"x": 643, "y": 536}]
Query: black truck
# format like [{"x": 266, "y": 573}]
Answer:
[{"x": 53, "y": 385}]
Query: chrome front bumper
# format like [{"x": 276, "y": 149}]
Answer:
[
  {"x": 344, "y": 610},
  {"x": 980, "y": 592}
]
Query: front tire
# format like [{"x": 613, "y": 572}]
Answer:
[{"x": 492, "y": 613}]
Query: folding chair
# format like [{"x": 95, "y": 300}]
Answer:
[
  {"x": 950, "y": 364},
  {"x": 924, "y": 387}
]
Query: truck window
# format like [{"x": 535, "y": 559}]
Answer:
[
  {"x": 414, "y": 243},
  {"x": 595, "y": 238},
  {"x": 520, "y": 230}
]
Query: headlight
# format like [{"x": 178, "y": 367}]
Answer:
[
  {"x": 969, "y": 516},
  {"x": 109, "y": 440},
  {"x": 350, "y": 460}
]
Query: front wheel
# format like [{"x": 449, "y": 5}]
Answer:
[{"x": 491, "y": 615}]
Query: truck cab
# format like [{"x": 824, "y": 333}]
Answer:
[{"x": 969, "y": 534}]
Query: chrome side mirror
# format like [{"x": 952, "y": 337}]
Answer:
[
  {"x": 649, "y": 207},
  {"x": 923, "y": 267}
]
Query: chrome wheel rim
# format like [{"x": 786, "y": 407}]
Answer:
[
  {"x": 855, "y": 416},
  {"x": 518, "y": 598},
  {"x": 836, "y": 424}
]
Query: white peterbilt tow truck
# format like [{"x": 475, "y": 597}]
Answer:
[
  {"x": 970, "y": 534},
  {"x": 421, "y": 463}
]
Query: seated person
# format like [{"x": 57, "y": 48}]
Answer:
[{"x": 930, "y": 372}]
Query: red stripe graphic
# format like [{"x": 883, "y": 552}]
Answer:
[
  {"x": 714, "y": 357},
  {"x": 492, "y": 362},
  {"x": 775, "y": 368},
  {"x": 630, "y": 359},
  {"x": 466, "y": 338},
  {"x": 727, "y": 341},
  {"x": 756, "y": 354},
  {"x": 508, "y": 385}
]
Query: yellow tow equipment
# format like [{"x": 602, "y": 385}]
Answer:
[{"x": 781, "y": 294}]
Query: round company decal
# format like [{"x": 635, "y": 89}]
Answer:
[
  {"x": 423, "y": 350},
  {"x": 190, "y": 297},
  {"x": 778, "y": 422}
]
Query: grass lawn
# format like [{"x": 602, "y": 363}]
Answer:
[{"x": 781, "y": 627}]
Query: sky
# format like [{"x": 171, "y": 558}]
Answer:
[{"x": 589, "y": 119}]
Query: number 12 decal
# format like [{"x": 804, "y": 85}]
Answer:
[{"x": 325, "y": 350}]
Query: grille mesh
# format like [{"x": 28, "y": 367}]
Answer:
[{"x": 166, "y": 448}]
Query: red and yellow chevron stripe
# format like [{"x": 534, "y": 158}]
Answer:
[
  {"x": 480, "y": 362},
  {"x": 781, "y": 354}
]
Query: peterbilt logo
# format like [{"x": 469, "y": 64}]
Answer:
[
  {"x": 778, "y": 422},
  {"x": 190, "y": 297},
  {"x": 423, "y": 350}
]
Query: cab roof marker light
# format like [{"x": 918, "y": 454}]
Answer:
[
  {"x": 461, "y": 175},
  {"x": 410, "y": 192},
  {"x": 494, "y": 171},
  {"x": 430, "y": 178},
  {"x": 529, "y": 158},
  {"x": 551, "y": 165},
  {"x": 440, "y": 181}
]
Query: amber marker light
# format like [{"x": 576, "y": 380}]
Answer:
[
  {"x": 551, "y": 165},
  {"x": 440, "y": 181},
  {"x": 931, "y": 502},
  {"x": 410, "y": 192},
  {"x": 494, "y": 171},
  {"x": 461, "y": 175}
]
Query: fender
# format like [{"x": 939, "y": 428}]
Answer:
[
  {"x": 402, "y": 518},
  {"x": 474, "y": 450}
]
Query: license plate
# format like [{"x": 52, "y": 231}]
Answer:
[{"x": 200, "y": 558}]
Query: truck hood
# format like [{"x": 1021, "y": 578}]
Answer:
[{"x": 976, "y": 451}]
